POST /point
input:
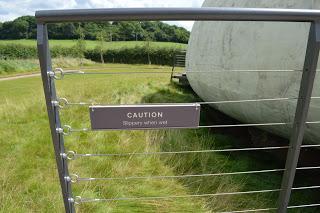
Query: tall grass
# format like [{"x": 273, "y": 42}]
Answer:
[
  {"x": 16, "y": 66},
  {"x": 28, "y": 177}
]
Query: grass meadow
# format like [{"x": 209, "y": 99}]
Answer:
[
  {"x": 28, "y": 175},
  {"x": 12, "y": 67},
  {"x": 91, "y": 44}
]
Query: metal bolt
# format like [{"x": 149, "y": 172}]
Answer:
[
  {"x": 71, "y": 200},
  {"x": 50, "y": 74},
  {"x": 55, "y": 103},
  {"x": 67, "y": 178},
  {"x": 63, "y": 155},
  {"x": 59, "y": 130}
]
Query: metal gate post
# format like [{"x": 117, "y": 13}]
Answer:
[
  {"x": 53, "y": 114},
  {"x": 306, "y": 87}
]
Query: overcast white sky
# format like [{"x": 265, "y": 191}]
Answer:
[{"x": 11, "y": 9}]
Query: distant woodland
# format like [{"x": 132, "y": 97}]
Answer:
[{"x": 24, "y": 27}]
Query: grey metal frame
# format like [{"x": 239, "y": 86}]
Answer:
[
  {"x": 54, "y": 117},
  {"x": 212, "y": 14},
  {"x": 306, "y": 87}
]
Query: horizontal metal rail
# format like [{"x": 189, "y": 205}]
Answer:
[{"x": 169, "y": 14}]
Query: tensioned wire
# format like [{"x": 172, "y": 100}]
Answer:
[
  {"x": 86, "y": 200},
  {"x": 269, "y": 209},
  {"x": 208, "y": 102},
  {"x": 72, "y": 155},
  {"x": 75, "y": 72},
  {"x": 216, "y": 102},
  {"x": 64, "y": 101},
  {"x": 62, "y": 73},
  {"x": 75, "y": 178},
  {"x": 70, "y": 129}
]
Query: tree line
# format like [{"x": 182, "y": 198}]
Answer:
[{"x": 24, "y": 27}]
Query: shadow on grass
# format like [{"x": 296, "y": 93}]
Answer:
[{"x": 206, "y": 163}]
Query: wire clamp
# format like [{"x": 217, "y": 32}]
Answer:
[
  {"x": 62, "y": 102},
  {"x": 70, "y": 155},
  {"x": 66, "y": 130},
  {"x": 58, "y": 74},
  {"x": 74, "y": 178},
  {"x": 77, "y": 200}
]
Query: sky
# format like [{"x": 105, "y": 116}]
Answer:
[{"x": 11, "y": 9}]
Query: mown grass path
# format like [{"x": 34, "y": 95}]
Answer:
[{"x": 20, "y": 76}]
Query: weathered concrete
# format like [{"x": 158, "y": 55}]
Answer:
[{"x": 216, "y": 47}]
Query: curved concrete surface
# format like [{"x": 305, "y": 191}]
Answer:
[{"x": 215, "y": 48}]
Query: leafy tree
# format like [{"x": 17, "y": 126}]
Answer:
[
  {"x": 17, "y": 29},
  {"x": 101, "y": 37},
  {"x": 129, "y": 30},
  {"x": 80, "y": 45},
  {"x": 30, "y": 24},
  {"x": 180, "y": 35},
  {"x": 62, "y": 31},
  {"x": 1, "y": 26},
  {"x": 91, "y": 29},
  {"x": 25, "y": 27},
  {"x": 112, "y": 32},
  {"x": 148, "y": 38}
]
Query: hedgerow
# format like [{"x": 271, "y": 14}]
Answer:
[{"x": 128, "y": 55}]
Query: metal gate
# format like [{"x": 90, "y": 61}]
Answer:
[{"x": 189, "y": 120}]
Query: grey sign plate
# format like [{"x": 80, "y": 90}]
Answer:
[{"x": 144, "y": 116}]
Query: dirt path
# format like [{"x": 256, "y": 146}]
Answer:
[{"x": 19, "y": 76}]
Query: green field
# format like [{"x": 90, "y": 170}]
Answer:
[
  {"x": 12, "y": 67},
  {"x": 28, "y": 176},
  {"x": 93, "y": 44}
]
